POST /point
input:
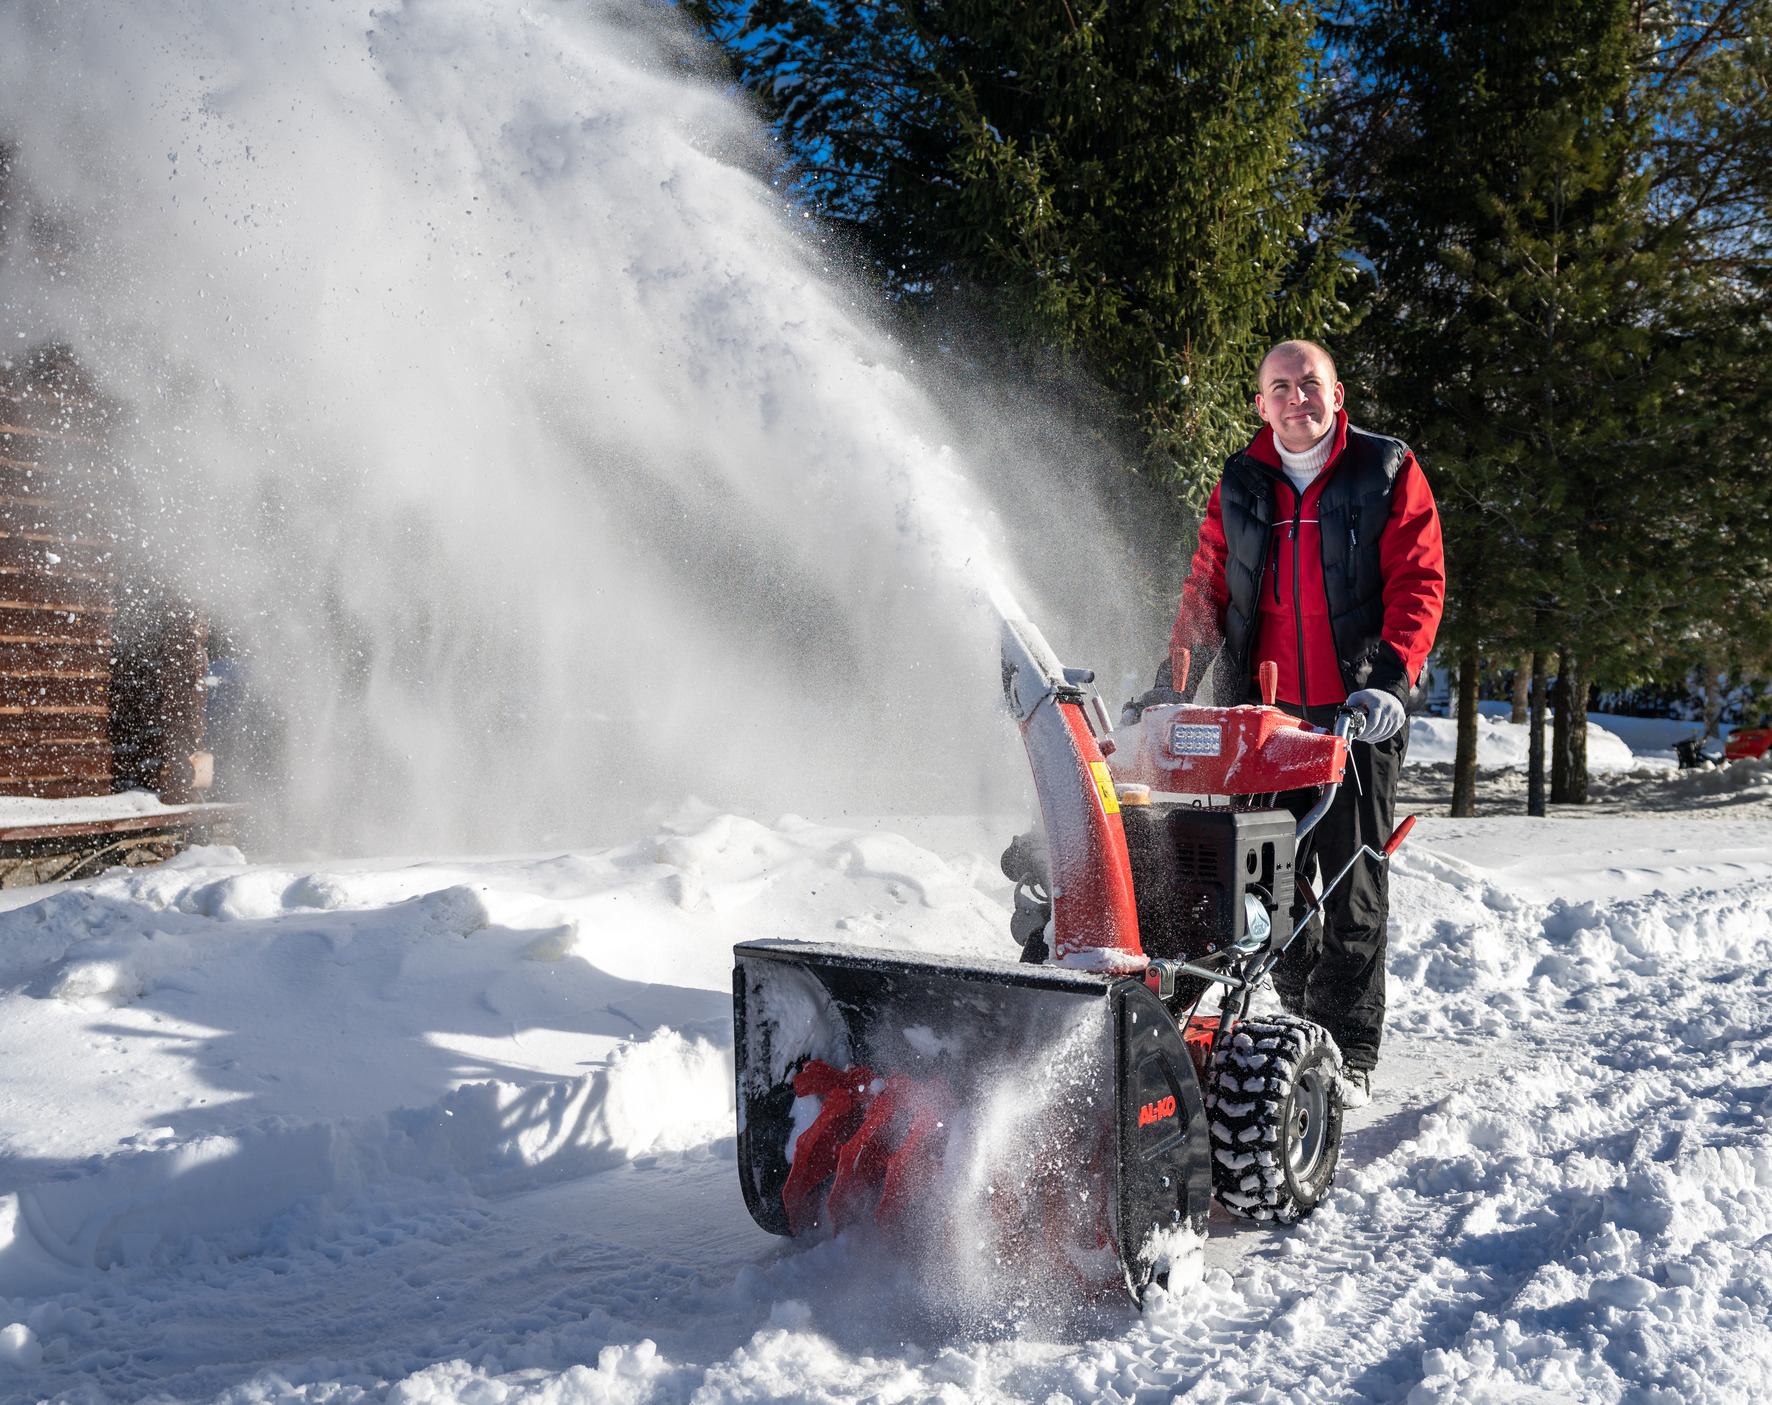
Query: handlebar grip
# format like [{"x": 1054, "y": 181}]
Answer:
[
  {"x": 1179, "y": 662},
  {"x": 1398, "y": 835},
  {"x": 1269, "y": 674}
]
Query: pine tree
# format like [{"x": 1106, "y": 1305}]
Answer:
[
  {"x": 1551, "y": 325},
  {"x": 1123, "y": 182}
]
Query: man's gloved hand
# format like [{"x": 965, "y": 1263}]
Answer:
[
  {"x": 1384, "y": 714},
  {"x": 1156, "y": 697}
]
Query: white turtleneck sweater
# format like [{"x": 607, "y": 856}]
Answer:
[{"x": 1303, "y": 468}]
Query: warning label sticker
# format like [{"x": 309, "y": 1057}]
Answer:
[{"x": 1104, "y": 787}]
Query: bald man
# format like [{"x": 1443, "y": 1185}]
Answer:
[{"x": 1321, "y": 552}]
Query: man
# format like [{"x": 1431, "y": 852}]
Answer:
[{"x": 1321, "y": 552}]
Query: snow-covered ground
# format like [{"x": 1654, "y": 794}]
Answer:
[
  {"x": 1500, "y": 743},
  {"x": 1614, "y": 743},
  {"x": 460, "y": 1131}
]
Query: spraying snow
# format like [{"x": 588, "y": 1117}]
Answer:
[{"x": 485, "y": 388}]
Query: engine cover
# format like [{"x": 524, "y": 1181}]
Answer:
[{"x": 1192, "y": 865}]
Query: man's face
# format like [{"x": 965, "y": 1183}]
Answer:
[{"x": 1299, "y": 396}]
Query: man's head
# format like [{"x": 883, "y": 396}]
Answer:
[{"x": 1297, "y": 393}]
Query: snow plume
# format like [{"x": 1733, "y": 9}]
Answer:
[
  {"x": 478, "y": 380},
  {"x": 1016, "y": 1231},
  {"x": 1031, "y": 1183}
]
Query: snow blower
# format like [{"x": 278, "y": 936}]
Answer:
[{"x": 1105, "y": 1110}]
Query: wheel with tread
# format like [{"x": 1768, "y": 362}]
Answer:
[{"x": 1273, "y": 1101}]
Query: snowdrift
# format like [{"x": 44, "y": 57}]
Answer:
[
  {"x": 195, "y": 1051},
  {"x": 1500, "y": 744},
  {"x": 460, "y": 1131}
]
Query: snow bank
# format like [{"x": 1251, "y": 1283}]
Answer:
[
  {"x": 1749, "y": 773},
  {"x": 1563, "y": 1188},
  {"x": 1501, "y": 744},
  {"x": 1655, "y": 736},
  {"x": 192, "y": 1051},
  {"x": 1581, "y": 1214}
]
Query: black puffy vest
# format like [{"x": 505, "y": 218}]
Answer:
[{"x": 1353, "y": 511}]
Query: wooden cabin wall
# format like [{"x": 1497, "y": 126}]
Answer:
[
  {"x": 101, "y": 667},
  {"x": 59, "y": 491}
]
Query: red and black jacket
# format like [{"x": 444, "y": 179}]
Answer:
[{"x": 1343, "y": 588}]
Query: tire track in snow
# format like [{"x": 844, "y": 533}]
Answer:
[{"x": 1587, "y": 1218}]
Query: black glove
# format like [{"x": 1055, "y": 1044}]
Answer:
[{"x": 1156, "y": 697}]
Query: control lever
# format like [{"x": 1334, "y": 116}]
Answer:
[{"x": 1180, "y": 659}]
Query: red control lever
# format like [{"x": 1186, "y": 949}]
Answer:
[
  {"x": 1179, "y": 661},
  {"x": 1269, "y": 674},
  {"x": 1398, "y": 835}
]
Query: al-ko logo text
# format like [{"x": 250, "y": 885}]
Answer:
[{"x": 1156, "y": 1112}]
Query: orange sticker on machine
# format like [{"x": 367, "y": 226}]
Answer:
[
  {"x": 1156, "y": 1112},
  {"x": 1104, "y": 787}
]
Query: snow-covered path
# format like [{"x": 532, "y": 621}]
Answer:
[{"x": 1560, "y": 1191}]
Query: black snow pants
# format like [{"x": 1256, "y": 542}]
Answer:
[{"x": 1334, "y": 973}]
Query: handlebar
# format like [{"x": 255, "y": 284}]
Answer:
[{"x": 1349, "y": 723}]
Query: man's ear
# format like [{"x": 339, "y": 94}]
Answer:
[{"x": 1340, "y": 396}]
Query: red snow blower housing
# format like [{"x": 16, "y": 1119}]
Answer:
[{"x": 1074, "y": 1092}]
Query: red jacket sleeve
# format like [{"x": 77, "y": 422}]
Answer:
[
  {"x": 1199, "y": 623},
  {"x": 1414, "y": 565}
]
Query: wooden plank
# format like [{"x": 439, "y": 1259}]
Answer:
[
  {"x": 27, "y": 397},
  {"x": 56, "y": 788},
  {"x": 54, "y": 589},
  {"x": 92, "y": 539},
  {"x": 36, "y": 482},
  {"x": 35, "y": 655},
  {"x": 52, "y": 518},
  {"x": 21, "y": 727},
  {"x": 40, "y": 622},
  {"x": 52, "y": 439},
  {"x": 72, "y": 470},
  {"x": 56, "y": 522},
  {"x": 12, "y": 434},
  {"x": 72, "y": 558},
  {"x": 58, "y": 616},
  {"x": 67, "y": 478},
  {"x": 81, "y": 756},
  {"x": 184, "y": 818},
  {"x": 39, "y": 570},
  {"x": 95, "y": 763},
  {"x": 38, "y": 694}
]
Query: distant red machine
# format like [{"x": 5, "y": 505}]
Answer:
[{"x": 1748, "y": 744}]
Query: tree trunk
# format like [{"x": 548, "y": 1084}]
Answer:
[
  {"x": 1559, "y": 758},
  {"x": 1522, "y": 677},
  {"x": 1535, "y": 752},
  {"x": 1464, "y": 762},
  {"x": 1578, "y": 731},
  {"x": 1713, "y": 696}
]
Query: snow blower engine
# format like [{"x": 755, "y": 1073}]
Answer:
[{"x": 1075, "y": 1103}]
